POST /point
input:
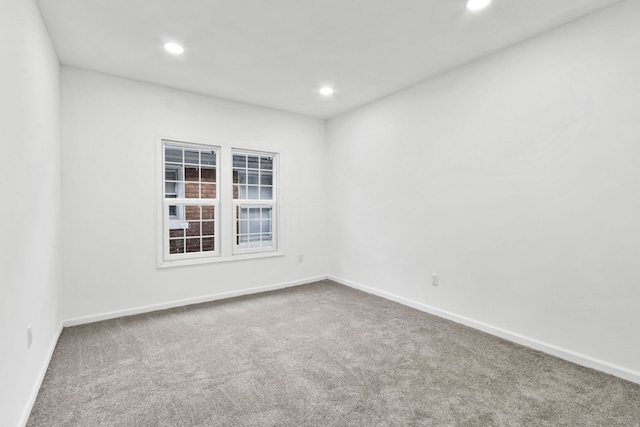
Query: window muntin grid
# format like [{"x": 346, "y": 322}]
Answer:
[
  {"x": 190, "y": 173},
  {"x": 253, "y": 176},
  {"x": 197, "y": 233},
  {"x": 254, "y": 226}
]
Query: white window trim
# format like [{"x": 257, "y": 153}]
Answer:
[{"x": 225, "y": 223}]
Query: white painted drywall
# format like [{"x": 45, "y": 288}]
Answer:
[
  {"x": 516, "y": 178},
  {"x": 30, "y": 214},
  {"x": 109, "y": 128}
]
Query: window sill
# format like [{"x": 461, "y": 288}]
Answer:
[{"x": 218, "y": 259}]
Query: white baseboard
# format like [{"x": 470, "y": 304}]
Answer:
[
  {"x": 41, "y": 374},
  {"x": 562, "y": 353},
  {"x": 187, "y": 301}
]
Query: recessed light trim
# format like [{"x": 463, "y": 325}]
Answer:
[
  {"x": 326, "y": 91},
  {"x": 174, "y": 48},
  {"x": 477, "y": 4}
]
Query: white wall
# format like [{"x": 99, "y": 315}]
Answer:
[
  {"x": 30, "y": 213},
  {"x": 517, "y": 179},
  {"x": 109, "y": 128}
]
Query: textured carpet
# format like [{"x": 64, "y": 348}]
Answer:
[{"x": 315, "y": 355}]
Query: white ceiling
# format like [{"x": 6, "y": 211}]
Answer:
[{"x": 277, "y": 53}]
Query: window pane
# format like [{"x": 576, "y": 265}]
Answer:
[
  {"x": 176, "y": 233},
  {"x": 266, "y": 178},
  {"x": 174, "y": 189},
  {"x": 254, "y": 213},
  {"x": 243, "y": 193},
  {"x": 267, "y": 212},
  {"x": 175, "y": 217},
  {"x": 193, "y": 245},
  {"x": 208, "y": 244},
  {"x": 267, "y": 240},
  {"x": 253, "y": 177},
  {"x": 266, "y": 193},
  {"x": 208, "y": 191},
  {"x": 208, "y": 174},
  {"x": 170, "y": 189},
  {"x": 266, "y": 163},
  {"x": 254, "y": 227},
  {"x": 173, "y": 185},
  {"x": 173, "y": 154},
  {"x": 192, "y": 173},
  {"x": 244, "y": 213},
  {"x": 194, "y": 228},
  {"x": 266, "y": 226},
  {"x": 208, "y": 228},
  {"x": 253, "y": 192},
  {"x": 192, "y": 190},
  {"x": 192, "y": 212},
  {"x": 208, "y": 158},
  {"x": 243, "y": 227},
  {"x": 253, "y": 162},
  {"x": 239, "y": 161},
  {"x": 171, "y": 174},
  {"x": 176, "y": 246},
  {"x": 192, "y": 156},
  {"x": 243, "y": 242},
  {"x": 208, "y": 212}
]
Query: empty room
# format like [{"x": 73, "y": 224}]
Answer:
[{"x": 320, "y": 213}]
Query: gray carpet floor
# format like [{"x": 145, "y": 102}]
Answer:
[{"x": 315, "y": 355}]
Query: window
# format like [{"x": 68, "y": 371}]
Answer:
[
  {"x": 217, "y": 204},
  {"x": 253, "y": 202},
  {"x": 190, "y": 201}
]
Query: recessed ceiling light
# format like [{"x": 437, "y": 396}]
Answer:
[
  {"x": 174, "y": 48},
  {"x": 477, "y": 4},
  {"x": 326, "y": 91}
]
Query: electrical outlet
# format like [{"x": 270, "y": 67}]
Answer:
[
  {"x": 434, "y": 279},
  {"x": 29, "y": 336}
]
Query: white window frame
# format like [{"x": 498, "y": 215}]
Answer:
[
  {"x": 225, "y": 223},
  {"x": 273, "y": 203},
  {"x": 166, "y": 223}
]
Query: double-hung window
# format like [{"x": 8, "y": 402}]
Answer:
[
  {"x": 191, "y": 203},
  {"x": 254, "y": 202},
  {"x": 218, "y": 204}
]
